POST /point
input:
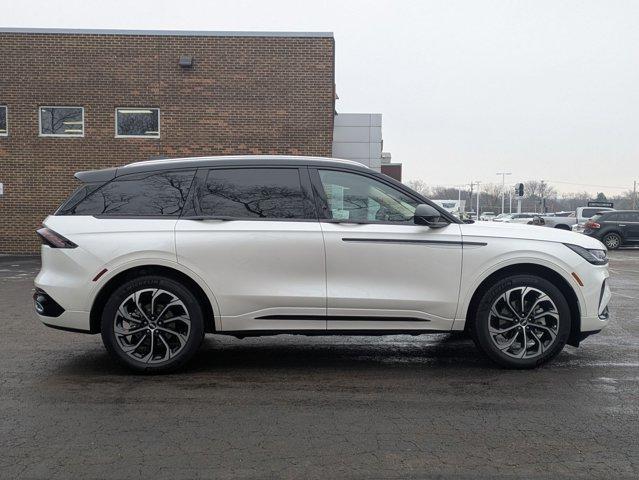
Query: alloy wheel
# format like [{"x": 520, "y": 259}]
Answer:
[
  {"x": 612, "y": 242},
  {"x": 152, "y": 325},
  {"x": 523, "y": 322}
]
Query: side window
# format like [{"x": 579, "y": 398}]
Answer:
[
  {"x": 144, "y": 194},
  {"x": 269, "y": 193},
  {"x": 359, "y": 198},
  {"x": 589, "y": 212},
  {"x": 611, "y": 217},
  {"x": 628, "y": 217}
]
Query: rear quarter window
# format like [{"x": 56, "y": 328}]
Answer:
[{"x": 147, "y": 194}]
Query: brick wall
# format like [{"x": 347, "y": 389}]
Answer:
[{"x": 244, "y": 95}]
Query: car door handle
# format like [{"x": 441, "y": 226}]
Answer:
[{"x": 622, "y": 225}]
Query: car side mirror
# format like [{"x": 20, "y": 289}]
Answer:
[{"x": 428, "y": 216}]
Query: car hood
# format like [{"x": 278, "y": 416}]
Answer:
[{"x": 528, "y": 232}]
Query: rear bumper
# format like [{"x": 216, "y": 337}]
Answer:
[{"x": 70, "y": 321}]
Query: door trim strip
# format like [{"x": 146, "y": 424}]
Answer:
[
  {"x": 342, "y": 318},
  {"x": 415, "y": 242}
]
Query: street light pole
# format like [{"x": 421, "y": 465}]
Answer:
[{"x": 503, "y": 186}]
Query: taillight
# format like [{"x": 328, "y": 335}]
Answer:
[
  {"x": 54, "y": 239},
  {"x": 593, "y": 225}
]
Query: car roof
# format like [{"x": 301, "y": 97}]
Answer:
[{"x": 214, "y": 161}]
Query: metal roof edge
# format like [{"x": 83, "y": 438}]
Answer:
[{"x": 167, "y": 33}]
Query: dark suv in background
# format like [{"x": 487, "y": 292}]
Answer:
[{"x": 614, "y": 229}]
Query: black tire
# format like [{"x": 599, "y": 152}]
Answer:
[
  {"x": 563, "y": 227},
  {"x": 612, "y": 240},
  {"x": 480, "y": 327},
  {"x": 186, "y": 345}
]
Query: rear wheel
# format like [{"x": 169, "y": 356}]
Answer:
[
  {"x": 522, "y": 322},
  {"x": 612, "y": 241},
  {"x": 152, "y": 324}
]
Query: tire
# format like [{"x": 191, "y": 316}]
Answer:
[
  {"x": 563, "y": 227},
  {"x": 152, "y": 342},
  {"x": 612, "y": 241},
  {"x": 545, "y": 336}
]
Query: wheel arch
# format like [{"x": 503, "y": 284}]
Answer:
[
  {"x": 151, "y": 269},
  {"x": 531, "y": 269}
]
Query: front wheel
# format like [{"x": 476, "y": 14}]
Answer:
[
  {"x": 152, "y": 324},
  {"x": 612, "y": 241},
  {"x": 522, "y": 321}
]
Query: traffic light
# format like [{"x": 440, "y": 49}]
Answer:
[{"x": 519, "y": 190}]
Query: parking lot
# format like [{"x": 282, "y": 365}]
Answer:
[{"x": 318, "y": 407}]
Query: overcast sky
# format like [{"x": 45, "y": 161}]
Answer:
[{"x": 543, "y": 89}]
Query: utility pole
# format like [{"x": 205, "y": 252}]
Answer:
[
  {"x": 478, "y": 183},
  {"x": 542, "y": 193},
  {"x": 503, "y": 185},
  {"x": 510, "y": 201},
  {"x": 634, "y": 196}
]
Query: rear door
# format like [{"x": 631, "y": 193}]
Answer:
[
  {"x": 383, "y": 271},
  {"x": 253, "y": 235},
  {"x": 629, "y": 224}
]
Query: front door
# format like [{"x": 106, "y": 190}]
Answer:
[
  {"x": 383, "y": 272},
  {"x": 252, "y": 234},
  {"x": 629, "y": 224}
]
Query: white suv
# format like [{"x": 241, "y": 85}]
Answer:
[{"x": 155, "y": 254}]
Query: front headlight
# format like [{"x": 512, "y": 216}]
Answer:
[{"x": 594, "y": 256}]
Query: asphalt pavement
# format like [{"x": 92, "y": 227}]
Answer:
[{"x": 317, "y": 408}]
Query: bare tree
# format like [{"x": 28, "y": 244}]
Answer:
[{"x": 420, "y": 186}]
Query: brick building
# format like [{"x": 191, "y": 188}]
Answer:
[{"x": 79, "y": 100}]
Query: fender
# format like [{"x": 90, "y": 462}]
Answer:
[
  {"x": 468, "y": 290},
  {"x": 112, "y": 271}
]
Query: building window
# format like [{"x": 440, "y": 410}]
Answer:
[
  {"x": 4, "y": 129},
  {"x": 62, "y": 121},
  {"x": 137, "y": 122}
]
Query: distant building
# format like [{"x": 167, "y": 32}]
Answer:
[{"x": 358, "y": 137}]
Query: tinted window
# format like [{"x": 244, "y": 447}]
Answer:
[
  {"x": 628, "y": 217},
  {"x": 589, "y": 212},
  {"x": 255, "y": 193},
  {"x": 144, "y": 194},
  {"x": 362, "y": 199}
]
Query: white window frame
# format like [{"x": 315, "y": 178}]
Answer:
[
  {"x": 137, "y": 136},
  {"x": 59, "y": 135},
  {"x": 6, "y": 109}
]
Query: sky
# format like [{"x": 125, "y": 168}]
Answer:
[{"x": 542, "y": 89}]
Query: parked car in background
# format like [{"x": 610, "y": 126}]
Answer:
[
  {"x": 502, "y": 217},
  {"x": 523, "y": 218},
  {"x": 155, "y": 254},
  {"x": 487, "y": 216},
  {"x": 614, "y": 229},
  {"x": 581, "y": 215}
]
